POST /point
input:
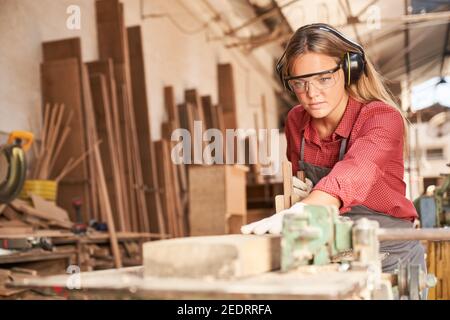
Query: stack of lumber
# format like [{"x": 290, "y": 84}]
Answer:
[
  {"x": 174, "y": 178},
  {"x": 99, "y": 110},
  {"x": 96, "y": 134},
  {"x": 19, "y": 217},
  {"x": 70, "y": 254}
]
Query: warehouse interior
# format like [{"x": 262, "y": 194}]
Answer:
[{"x": 137, "y": 137}]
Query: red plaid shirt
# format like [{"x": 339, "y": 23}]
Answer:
[{"x": 371, "y": 173}]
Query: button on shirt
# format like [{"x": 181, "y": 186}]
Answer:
[{"x": 371, "y": 173}]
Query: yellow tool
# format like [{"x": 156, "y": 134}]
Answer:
[{"x": 13, "y": 165}]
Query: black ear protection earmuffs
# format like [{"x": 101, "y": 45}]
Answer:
[{"x": 353, "y": 63}]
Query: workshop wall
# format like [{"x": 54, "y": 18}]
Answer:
[{"x": 171, "y": 58}]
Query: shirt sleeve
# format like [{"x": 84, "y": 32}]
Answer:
[{"x": 352, "y": 179}]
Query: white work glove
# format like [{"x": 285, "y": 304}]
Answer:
[
  {"x": 302, "y": 189},
  {"x": 272, "y": 224}
]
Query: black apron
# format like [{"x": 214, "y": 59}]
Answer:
[{"x": 404, "y": 251}]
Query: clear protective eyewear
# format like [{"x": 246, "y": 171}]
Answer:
[{"x": 321, "y": 80}]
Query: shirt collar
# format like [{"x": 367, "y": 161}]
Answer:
[
  {"x": 345, "y": 125},
  {"x": 348, "y": 119}
]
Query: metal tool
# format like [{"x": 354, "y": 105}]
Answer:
[
  {"x": 27, "y": 243},
  {"x": 79, "y": 227},
  {"x": 318, "y": 234},
  {"x": 13, "y": 165},
  {"x": 314, "y": 236}
]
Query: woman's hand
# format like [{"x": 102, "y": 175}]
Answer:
[
  {"x": 302, "y": 189},
  {"x": 272, "y": 224}
]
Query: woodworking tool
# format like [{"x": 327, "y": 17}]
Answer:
[
  {"x": 27, "y": 243},
  {"x": 318, "y": 234},
  {"x": 13, "y": 165},
  {"x": 314, "y": 236},
  {"x": 79, "y": 227}
]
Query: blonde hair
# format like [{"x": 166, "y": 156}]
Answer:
[{"x": 367, "y": 88}]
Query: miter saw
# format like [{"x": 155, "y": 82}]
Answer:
[{"x": 13, "y": 165}]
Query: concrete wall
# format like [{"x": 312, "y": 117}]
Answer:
[{"x": 171, "y": 58}]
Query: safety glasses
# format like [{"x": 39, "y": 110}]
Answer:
[{"x": 321, "y": 80}]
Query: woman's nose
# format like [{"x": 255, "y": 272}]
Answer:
[{"x": 311, "y": 90}]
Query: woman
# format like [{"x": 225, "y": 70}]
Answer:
[{"x": 347, "y": 136}]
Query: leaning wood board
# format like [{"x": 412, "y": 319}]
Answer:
[
  {"x": 67, "y": 49},
  {"x": 104, "y": 127},
  {"x": 227, "y": 97},
  {"x": 61, "y": 83},
  {"x": 113, "y": 43},
  {"x": 142, "y": 120},
  {"x": 106, "y": 68}
]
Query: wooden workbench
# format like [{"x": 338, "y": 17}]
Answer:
[{"x": 312, "y": 282}]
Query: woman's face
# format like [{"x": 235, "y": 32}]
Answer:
[{"x": 319, "y": 100}]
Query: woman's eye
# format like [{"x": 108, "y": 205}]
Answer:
[
  {"x": 324, "y": 79},
  {"x": 299, "y": 84}
]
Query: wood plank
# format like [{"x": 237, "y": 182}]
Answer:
[
  {"x": 67, "y": 49},
  {"x": 139, "y": 186},
  {"x": 107, "y": 207},
  {"x": 219, "y": 257},
  {"x": 49, "y": 207},
  {"x": 113, "y": 43},
  {"x": 171, "y": 106},
  {"x": 227, "y": 96},
  {"x": 169, "y": 221},
  {"x": 39, "y": 233},
  {"x": 26, "y": 209},
  {"x": 209, "y": 208},
  {"x": 104, "y": 198},
  {"x": 180, "y": 170},
  {"x": 105, "y": 128},
  {"x": 431, "y": 267},
  {"x": 14, "y": 230},
  {"x": 209, "y": 112},
  {"x": 287, "y": 183},
  {"x": 92, "y": 142},
  {"x": 106, "y": 68},
  {"x": 143, "y": 120},
  {"x": 61, "y": 83},
  {"x": 192, "y": 98}
]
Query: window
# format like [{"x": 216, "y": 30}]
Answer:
[{"x": 435, "y": 154}]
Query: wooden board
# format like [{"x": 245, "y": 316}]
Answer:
[
  {"x": 209, "y": 112},
  {"x": 171, "y": 106},
  {"x": 49, "y": 218},
  {"x": 165, "y": 177},
  {"x": 67, "y": 49},
  {"x": 438, "y": 263},
  {"x": 104, "y": 128},
  {"x": 113, "y": 44},
  {"x": 218, "y": 257},
  {"x": 210, "y": 208},
  {"x": 51, "y": 208},
  {"x": 61, "y": 83},
  {"x": 143, "y": 120},
  {"x": 192, "y": 98},
  {"x": 309, "y": 283},
  {"x": 14, "y": 230},
  {"x": 227, "y": 97},
  {"x": 106, "y": 68}
]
